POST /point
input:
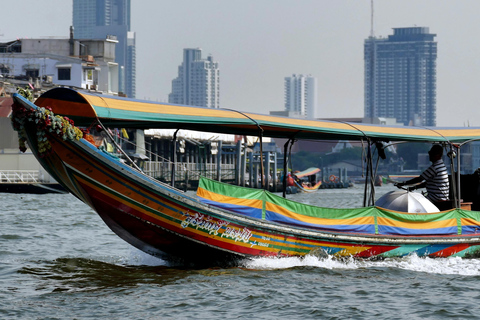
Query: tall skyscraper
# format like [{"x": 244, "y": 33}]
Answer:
[
  {"x": 400, "y": 76},
  {"x": 198, "y": 81},
  {"x": 301, "y": 95},
  {"x": 95, "y": 19}
]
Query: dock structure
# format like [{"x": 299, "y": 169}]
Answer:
[
  {"x": 182, "y": 161},
  {"x": 22, "y": 176},
  {"x": 28, "y": 181}
]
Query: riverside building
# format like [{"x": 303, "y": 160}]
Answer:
[{"x": 48, "y": 62}]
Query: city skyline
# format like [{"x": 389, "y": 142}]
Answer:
[
  {"x": 301, "y": 95},
  {"x": 198, "y": 81},
  {"x": 258, "y": 43},
  {"x": 97, "y": 19},
  {"x": 400, "y": 76}
]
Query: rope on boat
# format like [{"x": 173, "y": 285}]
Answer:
[
  {"x": 117, "y": 146},
  {"x": 113, "y": 140}
]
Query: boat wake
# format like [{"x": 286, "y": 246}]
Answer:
[
  {"x": 140, "y": 258},
  {"x": 447, "y": 266}
]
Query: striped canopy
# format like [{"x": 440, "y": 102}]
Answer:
[
  {"x": 307, "y": 172},
  {"x": 84, "y": 108}
]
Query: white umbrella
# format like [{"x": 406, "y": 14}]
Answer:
[{"x": 405, "y": 201}]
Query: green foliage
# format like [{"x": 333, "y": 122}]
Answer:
[
  {"x": 303, "y": 160},
  {"x": 346, "y": 154},
  {"x": 406, "y": 151},
  {"x": 26, "y": 93}
]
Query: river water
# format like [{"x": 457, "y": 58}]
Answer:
[{"x": 59, "y": 261}]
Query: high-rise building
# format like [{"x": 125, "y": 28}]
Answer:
[
  {"x": 198, "y": 81},
  {"x": 101, "y": 19},
  {"x": 400, "y": 76},
  {"x": 301, "y": 95}
]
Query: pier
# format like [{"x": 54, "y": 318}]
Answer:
[
  {"x": 182, "y": 162},
  {"x": 28, "y": 181}
]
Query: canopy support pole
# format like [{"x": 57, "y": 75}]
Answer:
[
  {"x": 219, "y": 160},
  {"x": 262, "y": 169},
  {"x": 244, "y": 161},
  {"x": 285, "y": 166},
  {"x": 459, "y": 191},
  {"x": 367, "y": 174},
  {"x": 373, "y": 179},
  {"x": 174, "y": 157},
  {"x": 452, "y": 155}
]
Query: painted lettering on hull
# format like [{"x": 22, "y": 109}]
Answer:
[{"x": 215, "y": 227}]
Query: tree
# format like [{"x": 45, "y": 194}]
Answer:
[
  {"x": 346, "y": 154},
  {"x": 303, "y": 160}
]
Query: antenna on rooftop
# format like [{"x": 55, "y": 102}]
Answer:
[{"x": 372, "y": 33}]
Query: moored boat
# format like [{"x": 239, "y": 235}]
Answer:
[{"x": 230, "y": 222}]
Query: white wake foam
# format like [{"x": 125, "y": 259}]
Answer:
[{"x": 452, "y": 265}]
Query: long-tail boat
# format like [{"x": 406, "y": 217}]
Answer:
[
  {"x": 225, "y": 221},
  {"x": 305, "y": 180}
]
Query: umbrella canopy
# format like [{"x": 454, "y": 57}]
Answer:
[{"x": 405, "y": 201}]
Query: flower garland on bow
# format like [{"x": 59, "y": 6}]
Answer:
[{"x": 45, "y": 121}]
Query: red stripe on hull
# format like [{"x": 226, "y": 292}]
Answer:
[
  {"x": 375, "y": 250},
  {"x": 450, "y": 250}
]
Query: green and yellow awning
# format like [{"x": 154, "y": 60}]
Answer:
[{"x": 84, "y": 108}]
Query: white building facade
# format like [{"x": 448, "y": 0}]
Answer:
[
  {"x": 87, "y": 64},
  {"x": 301, "y": 95},
  {"x": 198, "y": 81}
]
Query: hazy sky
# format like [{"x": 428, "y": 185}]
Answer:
[{"x": 259, "y": 42}]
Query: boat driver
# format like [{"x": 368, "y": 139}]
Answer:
[{"x": 435, "y": 179}]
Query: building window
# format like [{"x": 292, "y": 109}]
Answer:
[
  {"x": 32, "y": 73},
  {"x": 63, "y": 73},
  {"x": 89, "y": 74}
]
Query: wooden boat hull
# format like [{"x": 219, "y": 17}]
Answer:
[
  {"x": 161, "y": 220},
  {"x": 158, "y": 220}
]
